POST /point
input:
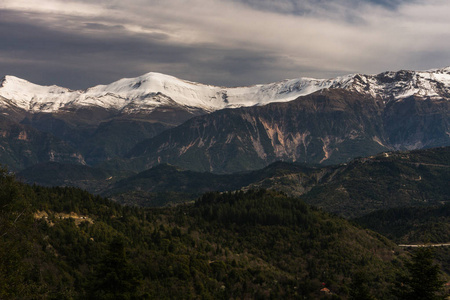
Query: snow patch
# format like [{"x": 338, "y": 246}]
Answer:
[{"x": 151, "y": 90}]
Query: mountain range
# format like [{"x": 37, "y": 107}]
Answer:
[
  {"x": 145, "y": 93},
  {"x": 135, "y": 124},
  {"x": 266, "y": 175}
]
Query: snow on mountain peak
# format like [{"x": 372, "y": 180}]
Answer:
[
  {"x": 151, "y": 90},
  {"x": 402, "y": 84},
  {"x": 445, "y": 70},
  {"x": 30, "y": 96}
]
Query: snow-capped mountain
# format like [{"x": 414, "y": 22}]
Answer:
[
  {"x": 152, "y": 90},
  {"x": 402, "y": 84},
  {"x": 157, "y": 118}
]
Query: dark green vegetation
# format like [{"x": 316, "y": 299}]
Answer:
[
  {"x": 166, "y": 184},
  {"x": 162, "y": 184},
  {"x": 414, "y": 225},
  {"x": 364, "y": 185},
  {"x": 92, "y": 179},
  {"x": 59, "y": 243},
  {"x": 422, "y": 280},
  {"x": 262, "y": 241},
  {"x": 411, "y": 225},
  {"x": 411, "y": 178}
]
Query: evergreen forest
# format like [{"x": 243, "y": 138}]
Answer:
[{"x": 65, "y": 243}]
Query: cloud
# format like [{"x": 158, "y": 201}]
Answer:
[
  {"x": 227, "y": 42},
  {"x": 319, "y": 7}
]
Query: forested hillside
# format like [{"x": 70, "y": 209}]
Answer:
[
  {"x": 362, "y": 186},
  {"x": 63, "y": 243},
  {"x": 414, "y": 225}
]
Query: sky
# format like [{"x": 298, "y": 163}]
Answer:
[{"x": 83, "y": 43}]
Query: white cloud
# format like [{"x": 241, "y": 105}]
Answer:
[
  {"x": 328, "y": 39},
  {"x": 53, "y": 7}
]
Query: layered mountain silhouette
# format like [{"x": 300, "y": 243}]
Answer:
[{"x": 134, "y": 124}]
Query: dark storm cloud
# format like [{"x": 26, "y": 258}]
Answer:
[
  {"x": 312, "y": 7},
  {"x": 47, "y": 56},
  {"x": 228, "y": 42},
  {"x": 389, "y": 3},
  {"x": 103, "y": 27},
  {"x": 44, "y": 55}
]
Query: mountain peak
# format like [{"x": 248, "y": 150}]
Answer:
[
  {"x": 440, "y": 70},
  {"x": 9, "y": 79},
  {"x": 151, "y": 90}
]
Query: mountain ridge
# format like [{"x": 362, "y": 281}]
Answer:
[
  {"x": 327, "y": 127},
  {"x": 152, "y": 90},
  {"x": 234, "y": 129},
  {"x": 364, "y": 185}
]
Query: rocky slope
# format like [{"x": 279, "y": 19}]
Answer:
[
  {"x": 327, "y": 127},
  {"x": 22, "y": 146},
  {"x": 331, "y": 121}
]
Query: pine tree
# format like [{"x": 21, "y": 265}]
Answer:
[
  {"x": 360, "y": 287},
  {"x": 422, "y": 280},
  {"x": 114, "y": 277}
]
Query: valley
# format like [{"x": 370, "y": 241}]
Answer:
[
  {"x": 157, "y": 187},
  {"x": 359, "y": 187}
]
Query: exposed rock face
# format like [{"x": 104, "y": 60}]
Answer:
[
  {"x": 415, "y": 123},
  {"x": 327, "y": 127},
  {"x": 332, "y": 121},
  {"x": 330, "y": 126}
]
